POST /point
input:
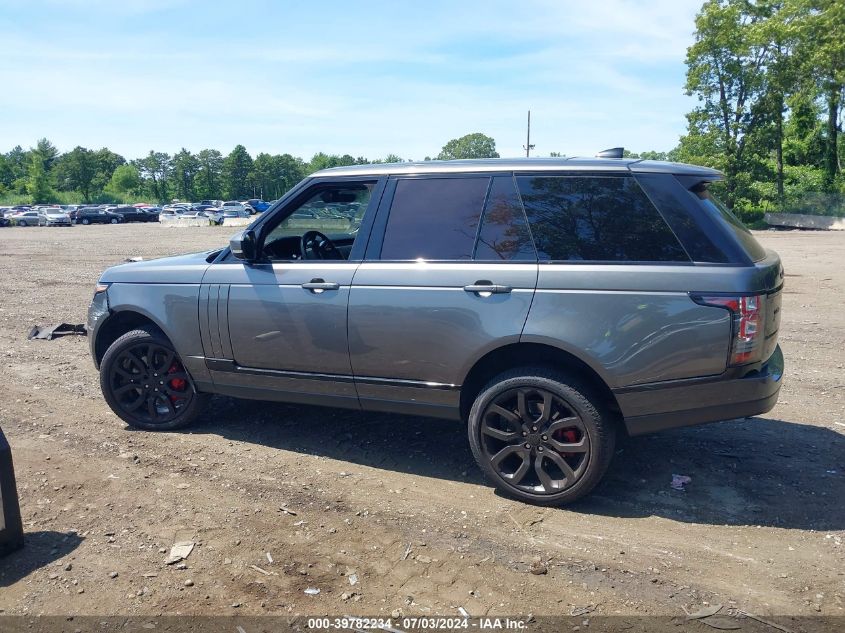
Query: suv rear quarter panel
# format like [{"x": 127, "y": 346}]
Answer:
[{"x": 634, "y": 324}]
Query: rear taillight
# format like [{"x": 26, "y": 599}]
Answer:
[{"x": 748, "y": 325}]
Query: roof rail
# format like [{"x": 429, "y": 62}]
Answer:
[{"x": 613, "y": 152}]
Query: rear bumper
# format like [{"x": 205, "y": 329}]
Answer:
[{"x": 659, "y": 406}]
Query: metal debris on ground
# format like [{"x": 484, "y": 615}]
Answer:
[
  {"x": 288, "y": 511},
  {"x": 407, "y": 551},
  {"x": 774, "y": 625},
  {"x": 679, "y": 481},
  {"x": 312, "y": 591},
  {"x": 353, "y": 579},
  {"x": 269, "y": 558},
  {"x": 703, "y": 612},
  {"x": 576, "y": 611},
  {"x": 49, "y": 332},
  {"x": 180, "y": 551},
  {"x": 721, "y": 622},
  {"x": 707, "y": 615}
]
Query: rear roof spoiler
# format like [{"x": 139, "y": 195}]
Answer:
[{"x": 613, "y": 152}]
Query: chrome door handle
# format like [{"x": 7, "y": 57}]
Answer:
[
  {"x": 487, "y": 288},
  {"x": 318, "y": 285}
]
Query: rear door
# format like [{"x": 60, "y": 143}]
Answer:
[{"x": 449, "y": 276}]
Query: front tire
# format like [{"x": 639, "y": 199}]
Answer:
[
  {"x": 541, "y": 436},
  {"x": 145, "y": 384}
]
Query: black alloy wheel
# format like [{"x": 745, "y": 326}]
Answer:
[
  {"x": 146, "y": 384},
  {"x": 541, "y": 437}
]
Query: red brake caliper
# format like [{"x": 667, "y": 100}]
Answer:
[
  {"x": 570, "y": 436},
  {"x": 177, "y": 384}
]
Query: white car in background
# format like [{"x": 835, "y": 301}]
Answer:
[{"x": 234, "y": 207}]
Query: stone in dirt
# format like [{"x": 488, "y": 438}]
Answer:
[
  {"x": 538, "y": 567},
  {"x": 180, "y": 551}
]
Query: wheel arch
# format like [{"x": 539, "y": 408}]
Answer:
[
  {"x": 531, "y": 354},
  {"x": 119, "y": 323}
]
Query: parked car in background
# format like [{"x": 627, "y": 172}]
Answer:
[
  {"x": 202, "y": 207},
  {"x": 25, "y": 218},
  {"x": 221, "y": 213},
  {"x": 212, "y": 203},
  {"x": 152, "y": 213},
  {"x": 235, "y": 205},
  {"x": 259, "y": 205},
  {"x": 96, "y": 215},
  {"x": 4, "y": 221},
  {"x": 53, "y": 216},
  {"x": 133, "y": 214},
  {"x": 546, "y": 305}
]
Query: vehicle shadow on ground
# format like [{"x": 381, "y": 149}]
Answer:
[
  {"x": 39, "y": 550},
  {"x": 757, "y": 471}
]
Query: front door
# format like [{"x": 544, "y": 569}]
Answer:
[{"x": 286, "y": 314}]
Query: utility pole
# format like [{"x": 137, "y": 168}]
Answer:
[{"x": 528, "y": 146}]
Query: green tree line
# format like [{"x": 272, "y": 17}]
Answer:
[{"x": 43, "y": 175}]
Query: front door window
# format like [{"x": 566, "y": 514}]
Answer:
[{"x": 329, "y": 220}]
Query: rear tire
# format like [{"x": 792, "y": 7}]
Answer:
[
  {"x": 146, "y": 385},
  {"x": 115, "y": 221},
  {"x": 86, "y": 221},
  {"x": 541, "y": 436}
]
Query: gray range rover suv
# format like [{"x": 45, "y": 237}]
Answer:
[{"x": 548, "y": 304}]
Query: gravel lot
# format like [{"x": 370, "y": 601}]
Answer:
[{"x": 760, "y": 528}]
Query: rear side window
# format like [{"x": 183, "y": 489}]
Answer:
[
  {"x": 596, "y": 218},
  {"x": 434, "y": 218},
  {"x": 504, "y": 234},
  {"x": 716, "y": 208}
]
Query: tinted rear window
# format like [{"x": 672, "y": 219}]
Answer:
[
  {"x": 718, "y": 210},
  {"x": 596, "y": 218},
  {"x": 434, "y": 218}
]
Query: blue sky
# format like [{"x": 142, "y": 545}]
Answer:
[{"x": 364, "y": 78}]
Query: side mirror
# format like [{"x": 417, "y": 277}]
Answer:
[{"x": 243, "y": 245}]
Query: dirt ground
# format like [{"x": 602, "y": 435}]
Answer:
[{"x": 397, "y": 502}]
